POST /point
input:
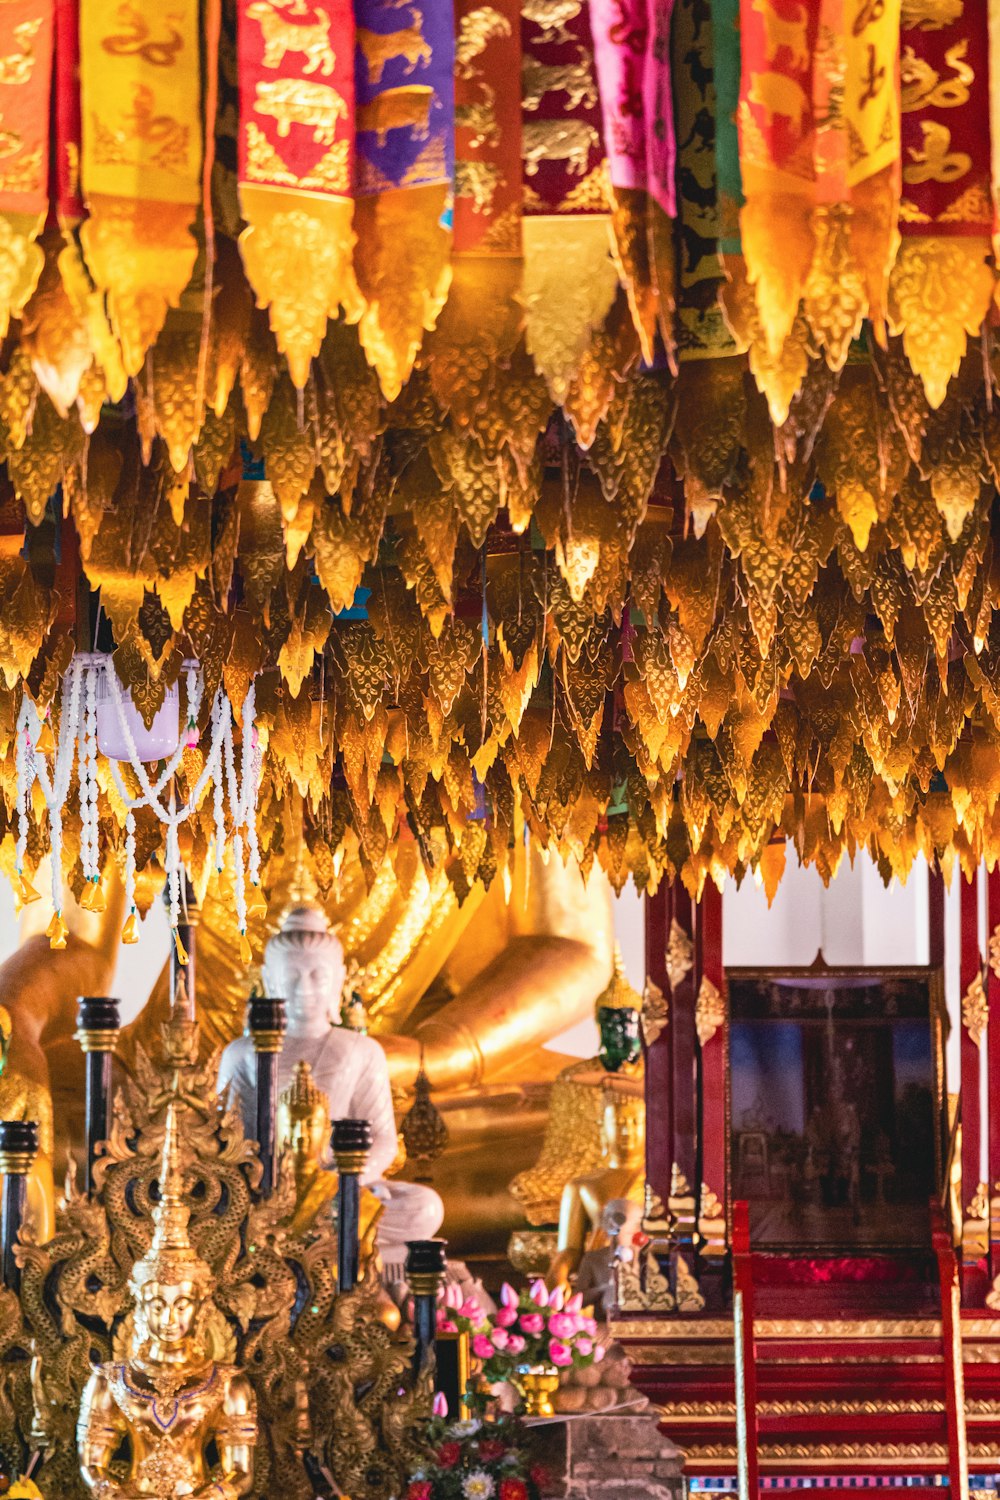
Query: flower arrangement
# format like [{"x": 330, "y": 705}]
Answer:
[
  {"x": 475, "y": 1460},
  {"x": 536, "y": 1327}
]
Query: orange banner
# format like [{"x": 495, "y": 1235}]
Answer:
[{"x": 26, "y": 45}]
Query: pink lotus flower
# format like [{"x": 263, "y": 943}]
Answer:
[
  {"x": 562, "y": 1326},
  {"x": 590, "y": 1327},
  {"x": 440, "y": 1407},
  {"x": 532, "y": 1323},
  {"x": 500, "y": 1338},
  {"x": 471, "y": 1310},
  {"x": 584, "y": 1347},
  {"x": 557, "y": 1298},
  {"x": 575, "y": 1303},
  {"x": 515, "y": 1344},
  {"x": 599, "y": 1352},
  {"x": 452, "y": 1296},
  {"x": 482, "y": 1347},
  {"x": 539, "y": 1294},
  {"x": 560, "y": 1354},
  {"x": 445, "y": 1325},
  {"x": 508, "y": 1296},
  {"x": 506, "y": 1317}
]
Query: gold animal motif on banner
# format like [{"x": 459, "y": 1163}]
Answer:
[
  {"x": 936, "y": 162},
  {"x": 571, "y": 141},
  {"x": 777, "y": 95},
  {"x": 380, "y": 48},
  {"x": 576, "y": 80},
  {"x": 930, "y": 15},
  {"x": 137, "y": 40},
  {"x": 292, "y": 101},
  {"x": 479, "y": 117},
  {"x": 552, "y": 16},
  {"x": 923, "y": 85},
  {"x": 779, "y": 31},
  {"x": 167, "y": 135},
  {"x": 408, "y": 107},
  {"x": 475, "y": 32},
  {"x": 17, "y": 66},
  {"x": 281, "y": 37}
]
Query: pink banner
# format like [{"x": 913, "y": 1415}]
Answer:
[{"x": 632, "y": 54}]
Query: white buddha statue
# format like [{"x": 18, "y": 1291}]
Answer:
[{"x": 304, "y": 963}]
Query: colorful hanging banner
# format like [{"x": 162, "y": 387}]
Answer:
[
  {"x": 570, "y": 280},
  {"x": 941, "y": 285},
  {"x": 140, "y": 79},
  {"x": 701, "y": 327},
  {"x": 404, "y": 82},
  {"x": 69, "y": 198},
  {"x": 632, "y": 56},
  {"x": 296, "y": 168},
  {"x": 819, "y": 157},
  {"x": 725, "y": 22},
  {"x": 487, "y": 128},
  {"x": 26, "y": 32}
]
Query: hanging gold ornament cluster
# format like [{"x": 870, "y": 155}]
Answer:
[
  {"x": 613, "y": 457},
  {"x": 672, "y": 653}
]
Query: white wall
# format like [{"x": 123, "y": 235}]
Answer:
[{"x": 138, "y": 965}]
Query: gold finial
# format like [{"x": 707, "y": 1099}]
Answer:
[
  {"x": 171, "y": 1258},
  {"x": 619, "y": 994},
  {"x": 303, "y": 1095}
]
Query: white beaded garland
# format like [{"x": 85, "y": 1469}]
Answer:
[{"x": 77, "y": 745}]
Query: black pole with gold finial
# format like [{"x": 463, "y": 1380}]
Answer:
[
  {"x": 426, "y": 1269},
  {"x": 266, "y": 1029},
  {"x": 18, "y": 1149},
  {"x": 98, "y": 1023},
  {"x": 352, "y": 1141}
]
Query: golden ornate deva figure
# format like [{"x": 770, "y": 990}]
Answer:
[
  {"x": 168, "y": 1396},
  {"x": 623, "y": 1176}
]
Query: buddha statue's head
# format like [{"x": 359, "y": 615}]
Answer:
[
  {"x": 623, "y": 1128},
  {"x": 171, "y": 1284},
  {"x": 304, "y": 964},
  {"x": 304, "y": 1121},
  {"x": 618, "y": 1008}
]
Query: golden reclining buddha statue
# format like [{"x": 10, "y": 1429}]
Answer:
[{"x": 480, "y": 992}]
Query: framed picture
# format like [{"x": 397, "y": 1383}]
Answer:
[{"x": 836, "y": 1105}]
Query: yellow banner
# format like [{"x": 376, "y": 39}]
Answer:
[
  {"x": 871, "y": 100},
  {"x": 140, "y": 76},
  {"x": 141, "y": 98}
]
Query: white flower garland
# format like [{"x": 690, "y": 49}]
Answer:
[{"x": 78, "y": 745}]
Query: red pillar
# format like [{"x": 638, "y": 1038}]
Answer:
[
  {"x": 686, "y": 932},
  {"x": 659, "y": 1056},
  {"x": 714, "y": 1121},
  {"x": 993, "y": 1043},
  {"x": 973, "y": 1037}
]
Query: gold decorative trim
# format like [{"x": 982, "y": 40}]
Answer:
[
  {"x": 709, "y": 1012},
  {"x": 680, "y": 954},
  {"x": 655, "y": 1012},
  {"x": 975, "y": 1010}
]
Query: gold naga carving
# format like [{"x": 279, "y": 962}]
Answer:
[{"x": 326, "y": 1380}]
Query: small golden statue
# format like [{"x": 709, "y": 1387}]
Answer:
[
  {"x": 623, "y": 1176},
  {"x": 168, "y": 1397},
  {"x": 303, "y": 1127}
]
